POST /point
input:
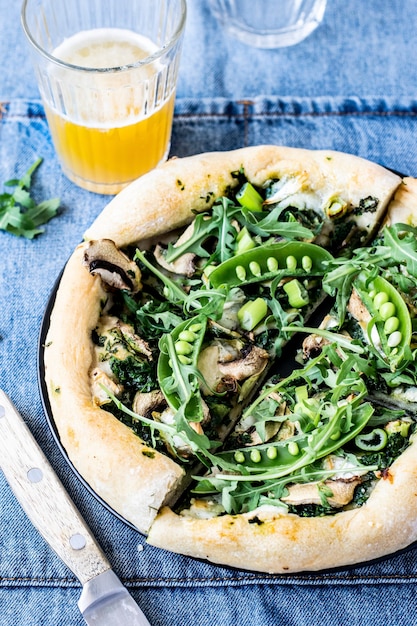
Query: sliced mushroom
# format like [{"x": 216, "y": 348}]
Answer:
[
  {"x": 203, "y": 509},
  {"x": 145, "y": 403},
  {"x": 98, "y": 379},
  {"x": 224, "y": 362},
  {"x": 181, "y": 448},
  {"x": 119, "y": 339},
  {"x": 116, "y": 270},
  {"x": 358, "y": 310},
  {"x": 308, "y": 493},
  {"x": 184, "y": 265},
  {"x": 272, "y": 428},
  {"x": 252, "y": 362},
  {"x": 286, "y": 187},
  {"x": 314, "y": 343},
  {"x": 135, "y": 343}
]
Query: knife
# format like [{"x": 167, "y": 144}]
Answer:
[{"x": 104, "y": 600}]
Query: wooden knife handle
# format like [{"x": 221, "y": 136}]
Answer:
[{"x": 43, "y": 497}]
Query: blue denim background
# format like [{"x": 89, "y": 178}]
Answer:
[{"x": 351, "y": 86}]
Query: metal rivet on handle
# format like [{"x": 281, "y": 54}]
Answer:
[
  {"x": 35, "y": 475},
  {"x": 77, "y": 541}
]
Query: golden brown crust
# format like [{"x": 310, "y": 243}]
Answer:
[
  {"x": 403, "y": 208},
  {"x": 136, "y": 482},
  {"x": 165, "y": 198},
  {"x": 132, "y": 478},
  {"x": 268, "y": 541}
]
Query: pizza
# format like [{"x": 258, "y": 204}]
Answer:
[{"x": 230, "y": 360}]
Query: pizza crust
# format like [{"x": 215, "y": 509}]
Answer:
[
  {"x": 167, "y": 197},
  {"x": 266, "y": 541},
  {"x": 131, "y": 477},
  {"x": 134, "y": 480},
  {"x": 403, "y": 208}
]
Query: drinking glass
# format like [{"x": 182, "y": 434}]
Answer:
[
  {"x": 107, "y": 74},
  {"x": 269, "y": 23}
]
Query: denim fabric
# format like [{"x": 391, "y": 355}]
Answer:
[
  {"x": 369, "y": 108},
  {"x": 35, "y": 587},
  {"x": 362, "y": 47}
]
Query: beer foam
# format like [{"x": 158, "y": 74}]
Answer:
[{"x": 101, "y": 48}]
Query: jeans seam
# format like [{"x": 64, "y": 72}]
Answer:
[
  {"x": 246, "y": 114},
  {"x": 367, "y": 579}
]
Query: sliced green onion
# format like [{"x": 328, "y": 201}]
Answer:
[
  {"x": 251, "y": 313},
  {"x": 244, "y": 241},
  {"x": 297, "y": 294},
  {"x": 373, "y": 441},
  {"x": 249, "y": 198}
]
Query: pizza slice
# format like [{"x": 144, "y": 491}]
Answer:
[
  {"x": 175, "y": 306},
  {"x": 323, "y": 454}
]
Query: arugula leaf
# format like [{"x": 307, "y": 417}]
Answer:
[
  {"x": 20, "y": 215},
  {"x": 270, "y": 224},
  {"x": 403, "y": 248},
  {"x": 218, "y": 225}
]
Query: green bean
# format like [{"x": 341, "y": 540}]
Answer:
[
  {"x": 177, "y": 358},
  {"x": 271, "y": 453},
  {"x": 282, "y": 457},
  {"x": 255, "y": 456},
  {"x": 195, "y": 328},
  {"x": 307, "y": 263},
  {"x": 185, "y": 360},
  {"x": 395, "y": 339},
  {"x": 239, "y": 457},
  {"x": 240, "y": 273},
  {"x": 293, "y": 448}
]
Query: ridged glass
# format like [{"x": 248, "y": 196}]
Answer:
[
  {"x": 109, "y": 124},
  {"x": 269, "y": 23}
]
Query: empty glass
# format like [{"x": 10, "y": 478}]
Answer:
[{"x": 269, "y": 23}]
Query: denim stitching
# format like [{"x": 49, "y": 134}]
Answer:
[
  {"x": 245, "y": 114},
  {"x": 264, "y": 579}
]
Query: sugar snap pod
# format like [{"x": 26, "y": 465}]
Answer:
[{"x": 117, "y": 371}]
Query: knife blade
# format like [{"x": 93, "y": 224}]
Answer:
[{"x": 104, "y": 600}]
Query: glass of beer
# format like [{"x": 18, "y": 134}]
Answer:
[{"x": 107, "y": 74}]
